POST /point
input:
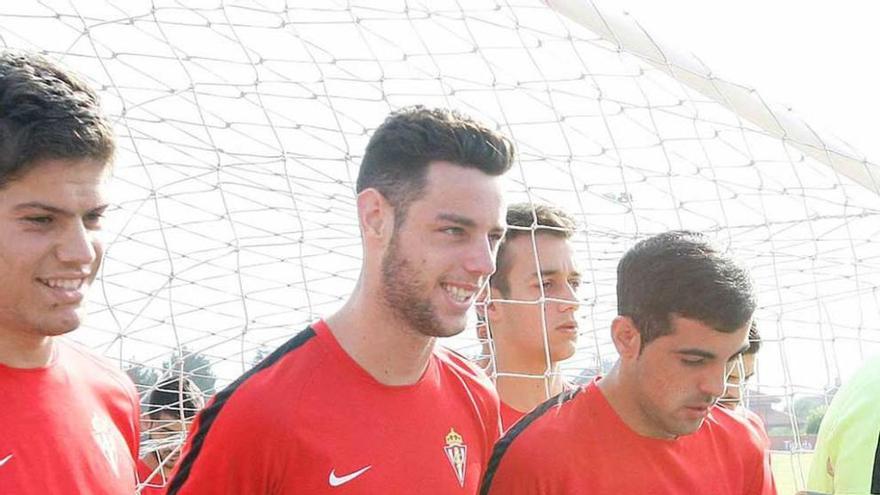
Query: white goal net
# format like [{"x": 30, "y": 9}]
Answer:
[{"x": 241, "y": 124}]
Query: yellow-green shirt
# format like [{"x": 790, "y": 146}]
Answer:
[{"x": 846, "y": 460}]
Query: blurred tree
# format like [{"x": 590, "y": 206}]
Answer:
[{"x": 193, "y": 365}]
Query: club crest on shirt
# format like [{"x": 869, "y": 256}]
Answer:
[
  {"x": 456, "y": 452},
  {"x": 105, "y": 435}
]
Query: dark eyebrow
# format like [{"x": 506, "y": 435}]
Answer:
[
  {"x": 544, "y": 273},
  {"x": 709, "y": 355},
  {"x": 54, "y": 209},
  {"x": 466, "y": 222},
  {"x": 697, "y": 353},
  {"x": 41, "y": 206},
  {"x": 550, "y": 273},
  {"x": 458, "y": 219}
]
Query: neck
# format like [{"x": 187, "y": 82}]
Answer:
[
  {"x": 383, "y": 345},
  {"x": 513, "y": 359},
  {"x": 617, "y": 388},
  {"x": 524, "y": 393},
  {"x": 22, "y": 350},
  {"x": 524, "y": 378}
]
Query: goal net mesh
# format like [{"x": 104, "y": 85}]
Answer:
[{"x": 241, "y": 126}]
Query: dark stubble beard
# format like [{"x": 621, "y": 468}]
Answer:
[{"x": 406, "y": 296}]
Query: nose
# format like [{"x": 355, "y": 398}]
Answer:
[
  {"x": 569, "y": 300},
  {"x": 712, "y": 382},
  {"x": 480, "y": 258},
  {"x": 78, "y": 246}
]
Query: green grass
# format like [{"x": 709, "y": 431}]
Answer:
[{"x": 790, "y": 471}]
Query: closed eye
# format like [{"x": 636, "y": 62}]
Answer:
[{"x": 40, "y": 220}]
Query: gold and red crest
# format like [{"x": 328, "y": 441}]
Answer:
[{"x": 456, "y": 452}]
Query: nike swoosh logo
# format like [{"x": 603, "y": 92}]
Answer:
[
  {"x": 5, "y": 459},
  {"x": 341, "y": 480}
]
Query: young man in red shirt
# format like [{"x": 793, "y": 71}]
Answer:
[
  {"x": 69, "y": 421},
  {"x": 651, "y": 425},
  {"x": 364, "y": 402},
  {"x": 534, "y": 288},
  {"x": 171, "y": 408}
]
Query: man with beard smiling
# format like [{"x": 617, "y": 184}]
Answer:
[
  {"x": 650, "y": 425},
  {"x": 69, "y": 421},
  {"x": 364, "y": 402}
]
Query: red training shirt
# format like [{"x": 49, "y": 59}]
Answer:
[
  {"x": 70, "y": 427},
  {"x": 309, "y": 419},
  {"x": 576, "y": 443},
  {"x": 509, "y": 416},
  {"x": 150, "y": 483}
]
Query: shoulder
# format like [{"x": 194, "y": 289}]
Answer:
[
  {"x": 740, "y": 427},
  {"x": 550, "y": 419},
  {"x": 271, "y": 383},
  {"x": 254, "y": 415},
  {"x": 75, "y": 355},
  {"x": 473, "y": 388},
  {"x": 536, "y": 435},
  {"x": 452, "y": 361},
  {"x": 855, "y": 401},
  {"x": 103, "y": 375},
  {"x": 108, "y": 386}
]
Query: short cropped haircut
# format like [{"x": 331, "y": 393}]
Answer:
[
  {"x": 521, "y": 219},
  {"x": 397, "y": 157},
  {"x": 46, "y": 112},
  {"x": 177, "y": 397},
  {"x": 681, "y": 273},
  {"x": 754, "y": 339}
]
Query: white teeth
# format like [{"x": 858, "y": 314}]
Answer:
[
  {"x": 458, "y": 294},
  {"x": 64, "y": 283}
]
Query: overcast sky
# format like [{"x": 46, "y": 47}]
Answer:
[{"x": 818, "y": 57}]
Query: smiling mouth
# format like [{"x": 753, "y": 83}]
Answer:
[
  {"x": 63, "y": 283},
  {"x": 459, "y": 294}
]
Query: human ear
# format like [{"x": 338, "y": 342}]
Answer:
[
  {"x": 374, "y": 214},
  {"x": 626, "y": 337}
]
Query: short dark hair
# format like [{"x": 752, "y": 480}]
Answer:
[
  {"x": 754, "y": 339},
  {"x": 396, "y": 159},
  {"x": 46, "y": 112},
  {"x": 179, "y": 397},
  {"x": 681, "y": 273},
  {"x": 522, "y": 219}
]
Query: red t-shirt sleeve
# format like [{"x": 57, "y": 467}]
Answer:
[
  {"x": 763, "y": 483},
  {"x": 513, "y": 475},
  {"x": 228, "y": 451},
  {"x": 123, "y": 408}
]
